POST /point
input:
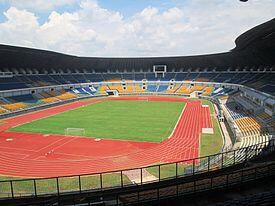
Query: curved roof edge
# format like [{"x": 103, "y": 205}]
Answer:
[{"x": 254, "y": 48}]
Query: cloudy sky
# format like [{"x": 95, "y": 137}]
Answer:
[{"x": 130, "y": 27}]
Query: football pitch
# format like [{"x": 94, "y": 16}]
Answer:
[{"x": 126, "y": 120}]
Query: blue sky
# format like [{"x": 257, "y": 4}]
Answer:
[
  {"x": 126, "y": 7},
  {"x": 130, "y": 27}
]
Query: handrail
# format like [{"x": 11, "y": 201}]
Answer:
[{"x": 195, "y": 166}]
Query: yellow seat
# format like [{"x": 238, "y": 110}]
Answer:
[
  {"x": 2, "y": 111},
  {"x": 102, "y": 89},
  {"x": 208, "y": 91},
  {"x": 119, "y": 88},
  {"x": 184, "y": 90},
  {"x": 14, "y": 106},
  {"x": 249, "y": 125}
]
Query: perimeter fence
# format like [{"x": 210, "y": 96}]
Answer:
[{"x": 14, "y": 188}]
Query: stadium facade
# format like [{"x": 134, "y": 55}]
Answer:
[{"x": 239, "y": 82}]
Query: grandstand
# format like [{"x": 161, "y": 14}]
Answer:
[
  {"x": 266, "y": 87},
  {"x": 229, "y": 94}
]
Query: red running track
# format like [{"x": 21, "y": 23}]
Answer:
[{"x": 29, "y": 155}]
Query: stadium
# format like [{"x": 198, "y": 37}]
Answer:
[{"x": 136, "y": 131}]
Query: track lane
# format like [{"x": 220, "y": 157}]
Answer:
[{"x": 183, "y": 144}]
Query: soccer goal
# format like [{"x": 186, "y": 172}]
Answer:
[{"x": 75, "y": 132}]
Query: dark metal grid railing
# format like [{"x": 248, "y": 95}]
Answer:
[
  {"x": 217, "y": 181},
  {"x": 118, "y": 179}
]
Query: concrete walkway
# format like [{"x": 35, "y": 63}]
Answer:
[{"x": 135, "y": 176}]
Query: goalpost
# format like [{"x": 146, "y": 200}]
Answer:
[{"x": 75, "y": 132}]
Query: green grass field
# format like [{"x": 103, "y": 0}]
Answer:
[
  {"x": 142, "y": 121},
  {"x": 128, "y": 120},
  {"x": 46, "y": 186},
  {"x": 211, "y": 143}
]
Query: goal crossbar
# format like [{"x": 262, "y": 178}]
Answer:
[{"x": 74, "y": 131}]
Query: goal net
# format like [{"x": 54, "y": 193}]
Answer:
[{"x": 75, "y": 132}]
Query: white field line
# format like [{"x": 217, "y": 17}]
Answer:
[
  {"x": 177, "y": 121},
  {"x": 53, "y": 149},
  {"x": 50, "y": 115},
  {"x": 45, "y": 147},
  {"x": 19, "y": 149},
  {"x": 61, "y": 145},
  {"x": 14, "y": 153},
  {"x": 88, "y": 105}
]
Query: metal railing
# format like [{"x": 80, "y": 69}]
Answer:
[
  {"x": 207, "y": 183},
  {"x": 118, "y": 179}
]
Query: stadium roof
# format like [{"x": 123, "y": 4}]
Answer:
[{"x": 254, "y": 48}]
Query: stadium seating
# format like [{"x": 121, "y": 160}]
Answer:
[
  {"x": 103, "y": 89},
  {"x": 15, "y": 103},
  {"x": 222, "y": 77},
  {"x": 80, "y": 91},
  {"x": 150, "y": 76},
  {"x": 66, "y": 96},
  {"x": 249, "y": 105},
  {"x": 272, "y": 125},
  {"x": 53, "y": 93},
  {"x": 129, "y": 88},
  {"x": 180, "y": 76},
  {"x": 168, "y": 76},
  {"x": 173, "y": 89},
  {"x": 208, "y": 91},
  {"x": 2, "y": 101},
  {"x": 27, "y": 99},
  {"x": 184, "y": 90},
  {"x": 138, "y": 88},
  {"x": 246, "y": 114},
  {"x": 250, "y": 130},
  {"x": 14, "y": 107},
  {"x": 46, "y": 98},
  {"x": 119, "y": 88},
  {"x": 191, "y": 76},
  {"x": 265, "y": 117},
  {"x": 152, "y": 88},
  {"x": 253, "y": 140},
  {"x": 197, "y": 88},
  {"x": 127, "y": 76},
  {"x": 43, "y": 84},
  {"x": 205, "y": 77},
  {"x": 49, "y": 100},
  {"x": 260, "y": 81},
  {"x": 162, "y": 88},
  {"x": 93, "y": 77},
  {"x": 139, "y": 76},
  {"x": 112, "y": 77},
  {"x": 2, "y": 111},
  {"x": 268, "y": 89},
  {"x": 234, "y": 110},
  {"x": 250, "y": 126}
]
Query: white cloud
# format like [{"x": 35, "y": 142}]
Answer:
[
  {"x": 195, "y": 27},
  {"x": 20, "y": 28},
  {"x": 38, "y": 5}
]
